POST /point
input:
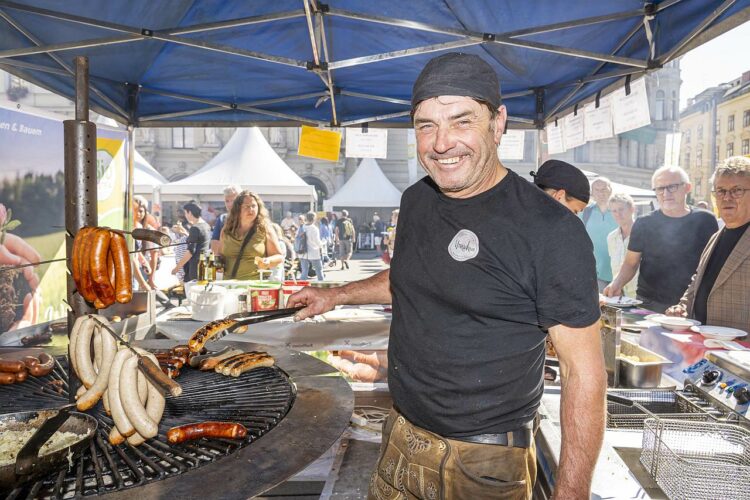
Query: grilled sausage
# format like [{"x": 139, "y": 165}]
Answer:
[
  {"x": 76, "y": 259},
  {"x": 7, "y": 378},
  {"x": 111, "y": 264},
  {"x": 209, "y": 363},
  {"x": 123, "y": 281},
  {"x": 39, "y": 371},
  {"x": 11, "y": 365},
  {"x": 228, "y": 362},
  {"x": 103, "y": 288},
  {"x": 30, "y": 361},
  {"x": 263, "y": 360},
  {"x": 21, "y": 376},
  {"x": 227, "y": 430},
  {"x": 46, "y": 361},
  {"x": 208, "y": 331},
  {"x": 96, "y": 391},
  {"x": 86, "y": 289}
]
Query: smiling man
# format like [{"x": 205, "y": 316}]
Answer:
[
  {"x": 487, "y": 263},
  {"x": 665, "y": 244},
  {"x": 719, "y": 294}
]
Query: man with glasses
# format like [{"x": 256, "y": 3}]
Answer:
[
  {"x": 665, "y": 244},
  {"x": 719, "y": 293}
]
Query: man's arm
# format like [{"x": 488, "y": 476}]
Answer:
[
  {"x": 582, "y": 407},
  {"x": 627, "y": 272},
  {"x": 373, "y": 290}
]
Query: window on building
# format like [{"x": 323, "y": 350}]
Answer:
[
  {"x": 718, "y": 125},
  {"x": 730, "y": 123},
  {"x": 660, "y": 105},
  {"x": 687, "y": 136},
  {"x": 687, "y": 160},
  {"x": 746, "y": 118},
  {"x": 699, "y": 186},
  {"x": 700, "y": 133},
  {"x": 675, "y": 106},
  {"x": 716, "y": 152},
  {"x": 746, "y": 146},
  {"x": 183, "y": 138},
  {"x": 582, "y": 153},
  {"x": 699, "y": 159},
  {"x": 730, "y": 149}
]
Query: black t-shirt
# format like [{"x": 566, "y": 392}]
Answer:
[
  {"x": 670, "y": 248},
  {"x": 727, "y": 241},
  {"x": 198, "y": 242},
  {"x": 475, "y": 282}
]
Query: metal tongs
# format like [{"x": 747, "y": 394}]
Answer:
[
  {"x": 244, "y": 319},
  {"x": 147, "y": 367}
]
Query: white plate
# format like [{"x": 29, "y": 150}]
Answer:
[
  {"x": 675, "y": 323},
  {"x": 718, "y": 332},
  {"x": 644, "y": 323},
  {"x": 621, "y": 301},
  {"x": 653, "y": 317}
]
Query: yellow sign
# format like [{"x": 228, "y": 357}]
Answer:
[{"x": 319, "y": 143}]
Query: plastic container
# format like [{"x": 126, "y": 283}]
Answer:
[
  {"x": 289, "y": 287},
  {"x": 207, "y": 302},
  {"x": 264, "y": 295}
]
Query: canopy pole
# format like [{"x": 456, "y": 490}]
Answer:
[{"x": 80, "y": 189}]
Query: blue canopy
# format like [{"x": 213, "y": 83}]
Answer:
[{"x": 285, "y": 62}]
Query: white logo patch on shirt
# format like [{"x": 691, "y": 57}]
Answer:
[{"x": 464, "y": 246}]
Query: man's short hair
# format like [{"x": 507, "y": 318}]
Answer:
[
  {"x": 672, "y": 169},
  {"x": 194, "y": 209},
  {"x": 310, "y": 216},
  {"x": 232, "y": 189},
  {"x": 734, "y": 165},
  {"x": 623, "y": 198},
  {"x": 345, "y": 213},
  {"x": 603, "y": 179}
]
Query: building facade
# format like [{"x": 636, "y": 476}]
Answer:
[{"x": 715, "y": 125}]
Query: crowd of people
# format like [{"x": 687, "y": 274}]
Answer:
[{"x": 248, "y": 245}]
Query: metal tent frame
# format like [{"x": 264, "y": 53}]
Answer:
[{"x": 313, "y": 16}]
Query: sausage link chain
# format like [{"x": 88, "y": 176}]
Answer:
[{"x": 101, "y": 268}]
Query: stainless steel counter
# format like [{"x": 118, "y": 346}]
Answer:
[{"x": 618, "y": 473}]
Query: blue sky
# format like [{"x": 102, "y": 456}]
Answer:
[{"x": 722, "y": 59}]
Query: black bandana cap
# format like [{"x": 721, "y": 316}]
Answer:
[
  {"x": 459, "y": 74},
  {"x": 558, "y": 174}
]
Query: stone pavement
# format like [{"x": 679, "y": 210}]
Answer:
[{"x": 364, "y": 264}]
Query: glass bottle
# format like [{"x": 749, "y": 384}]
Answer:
[
  {"x": 211, "y": 268},
  {"x": 201, "y": 276}
]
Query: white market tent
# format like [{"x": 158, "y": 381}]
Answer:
[
  {"x": 248, "y": 161},
  {"x": 368, "y": 187},
  {"x": 145, "y": 177}
]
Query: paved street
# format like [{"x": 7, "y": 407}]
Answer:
[{"x": 363, "y": 265}]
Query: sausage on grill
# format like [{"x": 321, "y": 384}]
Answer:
[
  {"x": 227, "y": 430},
  {"x": 208, "y": 331},
  {"x": 11, "y": 366},
  {"x": 96, "y": 391},
  {"x": 105, "y": 292}
]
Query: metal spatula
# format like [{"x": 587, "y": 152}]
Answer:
[{"x": 27, "y": 458}]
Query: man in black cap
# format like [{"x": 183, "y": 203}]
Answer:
[
  {"x": 565, "y": 183},
  {"x": 487, "y": 263}
]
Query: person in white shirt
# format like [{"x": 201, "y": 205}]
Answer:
[
  {"x": 312, "y": 255},
  {"x": 622, "y": 208}
]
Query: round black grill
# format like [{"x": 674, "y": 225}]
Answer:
[{"x": 258, "y": 399}]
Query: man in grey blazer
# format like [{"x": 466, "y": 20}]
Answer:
[{"x": 719, "y": 293}]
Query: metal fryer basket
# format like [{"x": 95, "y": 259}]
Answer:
[
  {"x": 696, "y": 460},
  {"x": 665, "y": 403}
]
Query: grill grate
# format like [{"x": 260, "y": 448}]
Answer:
[
  {"x": 665, "y": 403},
  {"x": 258, "y": 399}
]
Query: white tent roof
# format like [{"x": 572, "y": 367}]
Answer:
[
  {"x": 368, "y": 187},
  {"x": 145, "y": 177},
  {"x": 249, "y": 161}
]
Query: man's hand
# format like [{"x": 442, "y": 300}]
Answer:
[
  {"x": 31, "y": 305},
  {"x": 611, "y": 291},
  {"x": 678, "y": 310},
  {"x": 369, "y": 366},
  {"x": 316, "y": 301},
  {"x": 16, "y": 252}
]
